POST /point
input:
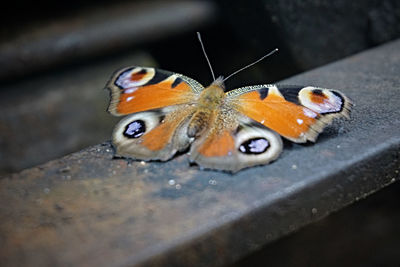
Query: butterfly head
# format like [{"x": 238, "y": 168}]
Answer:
[{"x": 219, "y": 82}]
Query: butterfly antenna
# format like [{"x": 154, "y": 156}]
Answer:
[
  {"x": 251, "y": 64},
  {"x": 205, "y": 54}
]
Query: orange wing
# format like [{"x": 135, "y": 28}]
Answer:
[
  {"x": 297, "y": 113},
  {"x": 136, "y": 89}
]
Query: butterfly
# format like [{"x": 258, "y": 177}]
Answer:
[{"x": 224, "y": 130}]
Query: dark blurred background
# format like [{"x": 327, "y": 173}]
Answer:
[{"x": 56, "y": 57}]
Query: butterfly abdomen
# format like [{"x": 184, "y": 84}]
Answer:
[
  {"x": 198, "y": 123},
  {"x": 208, "y": 104}
]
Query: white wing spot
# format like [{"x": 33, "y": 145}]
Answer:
[
  {"x": 300, "y": 121},
  {"x": 130, "y": 90}
]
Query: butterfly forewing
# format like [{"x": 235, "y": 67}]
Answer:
[
  {"x": 136, "y": 89},
  {"x": 297, "y": 113}
]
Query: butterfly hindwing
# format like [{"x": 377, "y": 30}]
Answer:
[
  {"x": 297, "y": 113},
  {"x": 136, "y": 89},
  {"x": 234, "y": 143},
  {"x": 153, "y": 135}
]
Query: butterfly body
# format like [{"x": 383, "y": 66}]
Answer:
[
  {"x": 208, "y": 105},
  {"x": 169, "y": 112}
]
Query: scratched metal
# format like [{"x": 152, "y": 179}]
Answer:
[{"x": 90, "y": 209}]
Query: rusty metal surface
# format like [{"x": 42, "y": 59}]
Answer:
[{"x": 90, "y": 209}]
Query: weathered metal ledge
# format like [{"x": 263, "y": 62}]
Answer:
[{"x": 90, "y": 209}]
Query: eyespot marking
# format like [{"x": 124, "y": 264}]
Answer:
[
  {"x": 254, "y": 146},
  {"x": 138, "y": 75},
  {"x": 341, "y": 101},
  {"x": 135, "y": 129},
  {"x": 318, "y": 92},
  {"x": 133, "y": 77}
]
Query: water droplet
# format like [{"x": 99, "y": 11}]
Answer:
[
  {"x": 143, "y": 163},
  {"x": 294, "y": 166},
  {"x": 338, "y": 146},
  {"x": 171, "y": 182},
  {"x": 314, "y": 211},
  {"x": 46, "y": 190},
  {"x": 178, "y": 186},
  {"x": 108, "y": 150},
  {"x": 212, "y": 182}
]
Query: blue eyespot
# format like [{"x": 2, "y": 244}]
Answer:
[
  {"x": 254, "y": 146},
  {"x": 135, "y": 129}
]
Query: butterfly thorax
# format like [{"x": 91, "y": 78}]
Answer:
[{"x": 210, "y": 99}]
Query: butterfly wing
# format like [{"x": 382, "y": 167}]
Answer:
[
  {"x": 136, "y": 89},
  {"x": 297, "y": 113},
  {"x": 162, "y": 105},
  {"x": 234, "y": 142},
  {"x": 153, "y": 135}
]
